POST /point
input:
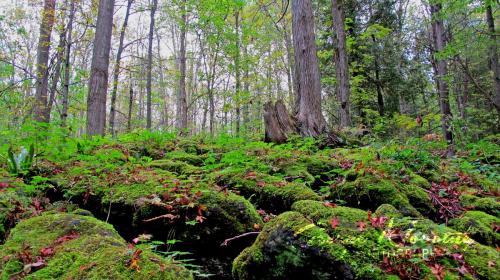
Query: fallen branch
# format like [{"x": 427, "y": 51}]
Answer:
[
  {"x": 166, "y": 216},
  {"x": 225, "y": 243}
]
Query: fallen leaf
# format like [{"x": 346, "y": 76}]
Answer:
[
  {"x": 334, "y": 222},
  {"x": 329, "y": 204},
  {"x": 361, "y": 225}
]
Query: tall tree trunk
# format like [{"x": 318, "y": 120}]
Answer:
[
  {"x": 494, "y": 65},
  {"x": 57, "y": 72},
  {"x": 98, "y": 84},
  {"x": 67, "y": 65},
  {"x": 246, "y": 89},
  {"x": 150, "y": 65},
  {"x": 441, "y": 72},
  {"x": 380, "y": 97},
  {"x": 163, "y": 88},
  {"x": 130, "y": 105},
  {"x": 237, "y": 71},
  {"x": 292, "y": 79},
  {"x": 116, "y": 70},
  {"x": 341, "y": 62},
  {"x": 311, "y": 122},
  {"x": 182, "y": 100},
  {"x": 42, "y": 73}
]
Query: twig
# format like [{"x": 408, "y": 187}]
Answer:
[{"x": 225, "y": 243}]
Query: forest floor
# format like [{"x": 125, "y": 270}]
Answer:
[{"x": 153, "y": 206}]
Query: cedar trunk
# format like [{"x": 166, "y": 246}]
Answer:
[
  {"x": 341, "y": 62},
  {"x": 441, "y": 73},
  {"x": 310, "y": 120},
  {"x": 42, "y": 73},
  {"x": 149, "y": 114},
  {"x": 98, "y": 84}
]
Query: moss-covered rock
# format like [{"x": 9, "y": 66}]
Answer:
[
  {"x": 369, "y": 192},
  {"x": 223, "y": 215},
  {"x": 388, "y": 210},
  {"x": 489, "y": 205},
  {"x": 291, "y": 247},
  {"x": 266, "y": 191},
  {"x": 479, "y": 225},
  {"x": 69, "y": 246},
  {"x": 183, "y": 156},
  {"x": 177, "y": 167},
  {"x": 358, "y": 246}
]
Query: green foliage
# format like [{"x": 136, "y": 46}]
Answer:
[{"x": 19, "y": 164}]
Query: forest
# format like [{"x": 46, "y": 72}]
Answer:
[{"x": 249, "y": 139}]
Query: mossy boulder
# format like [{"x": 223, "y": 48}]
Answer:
[
  {"x": 70, "y": 246},
  {"x": 369, "y": 192},
  {"x": 223, "y": 215},
  {"x": 482, "y": 227},
  {"x": 489, "y": 205},
  {"x": 388, "y": 210},
  {"x": 354, "y": 246},
  {"x": 177, "y": 167},
  {"x": 183, "y": 156},
  {"x": 291, "y": 247},
  {"x": 266, "y": 191}
]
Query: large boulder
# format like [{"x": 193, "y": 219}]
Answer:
[{"x": 72, "y": 246}]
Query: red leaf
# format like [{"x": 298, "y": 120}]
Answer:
[
  {"x": 70, "y": 236},
  {"x": 47, "y": 252},
  {"x": 361, "y": 225},
  {"x": 334, "y": 222},
  {"x": 4, "y": 185},
  {"x": 438, "y": 271},
  {"x": 200, "y": 219},
  {"x": 330, "y": 204},
  {"x": 261, "y": 184}
]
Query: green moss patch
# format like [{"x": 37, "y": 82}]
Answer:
[{"x": 63, "y": 246}]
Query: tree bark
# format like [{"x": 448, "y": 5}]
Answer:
[
  {"x": 130, "y": 105},
  {"x": 57, "y": 72},
  {"x": 378, "y": 85},
  {"x": 98, "y": 84},
  {"x": 116, "y": 70},
  {"x": 42, "y": 73},
  {"x": 341, "y": 62},
  {"x": 237, "y": 71},
  {"x": 494, "y": 65},
  {"x": 149, "y": 114},
  {"x": 279, "y": 125},
  {"x": 67, "y": 65},
  {"x": 182, "y": 117},
  {"x": 441, "y": 73},
  {"x": 310, "y": 120}
]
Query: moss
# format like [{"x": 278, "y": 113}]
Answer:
[
  {"x": 177, "y": 167},
  {"x": 388, "y": 210},
  {"x": 479, "y": 225},
  {"x": 291, "y": 247},
  {"x": 224, "y": 215},
  {"x": 488, "y": 205},
  {"x": 268, "y": 192},
  {"x": 298, "y": 172},
  {"x": 98, "y": 252},
  {"x": 419, "y": 199},
  {"x": 13, "y": 207},
  {"x": 369, "y": 192},
  {"x": 182, "y": 156}
]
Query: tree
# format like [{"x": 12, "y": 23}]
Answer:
[
  {"x": 182, "y": 114},
  {"x": 150, "y": 64},
  {"x": 67, "y": 68},
  {"x": 343, "y": 91},
  {"x": 116, "y": 71},
  {"x": 310, "y": 120},
  {"x": 494, "y": 65},
  {"x": 438, "y": 33},
  {"x": 42, "y": 74},
  {"x": 98, "y": 84}
]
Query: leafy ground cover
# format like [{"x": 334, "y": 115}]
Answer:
[{"x": 157, "y": 206}]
